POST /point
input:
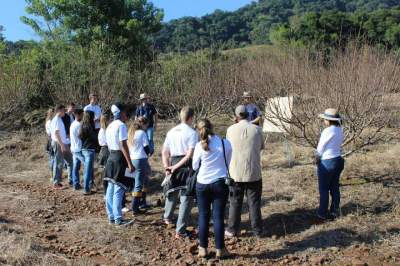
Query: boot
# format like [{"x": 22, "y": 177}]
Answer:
[
  {"x": 143, "y": 202},
  {"x": 222, "y": 253},
  {"x": 135, "y": 206}
]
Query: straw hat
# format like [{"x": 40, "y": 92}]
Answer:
[
  {"x": 143, "y": 96},
  {"x": 246, "y": 94},
  {"x": 330, "y": 114}
]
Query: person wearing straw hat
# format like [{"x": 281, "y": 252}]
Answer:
[
  {"x": 330, "y": 164},
  {"x": 254, "y": 113},
  {"x": 147, "y": 110}
]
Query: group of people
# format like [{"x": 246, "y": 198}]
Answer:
[{"x": 224, "y": 169}]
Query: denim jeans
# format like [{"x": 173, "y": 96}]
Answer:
[
  {"x": 184, "y": 209},
  {"x": 114, "y": 197},
  {"x": 142, "y": 169},
  {"x": 88, "y": 155},
  {"x": 77, "y": 160},
  {"x": 328, "y": 183},
  {"x": 215, "y": 194},
  {"x": 150, "y": 137},
  {"x": 253, "y": 191},
  {"x": 58, "y": 162}
]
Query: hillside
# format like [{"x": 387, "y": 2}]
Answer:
[{"x": 255, "y": 23}]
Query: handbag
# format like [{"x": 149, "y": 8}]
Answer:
[{"x": 228, "y": 180}]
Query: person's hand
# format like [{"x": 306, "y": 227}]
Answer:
[
  {"x": 131, "y": 168},
  {"x": 63, "y": 148},
  {"x": 172, "y": 169},
  {"x": 168, "y": 171}
]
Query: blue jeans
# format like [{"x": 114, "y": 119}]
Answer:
[
  {"x": 59, "y": 159},
  {"x": 77, "y": 160},
  {"x": 142, "y": 169},
  {"x": 88, "y": 155},
  {"x": 215, "y": 194},
  {"x": 114, "y": 197},
  {"x": 184, "y": 209},
  {"x": 150, "y": 137},
  {"x": 328, "y": 183}
]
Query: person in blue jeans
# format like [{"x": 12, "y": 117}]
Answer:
[
  {"x": 139, "y": 150},
  {"x": 76, "y": 148},
  {"x": 211, "y": 190},
  {"x": 88, "y": 136},
  {"x": 118, "y": 163},
  {"x": 330, "y": 164},
  {"x": 148, "y": 111}
]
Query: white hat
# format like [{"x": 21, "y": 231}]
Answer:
[
  {"x": 240, "y": 110},
  {"x": 115, "y": 110},
  {"x": 246, "y": 94},
  {"x": 330, "y": 114},
  {"x": 143, "y": 96}
]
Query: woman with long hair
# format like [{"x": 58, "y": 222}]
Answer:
[
  {"x": 139, "y": 150},
  {"x": 211, "y": 158},
  {"x": 104, "y": 152},
  {"x": 330, "y": 164},
  {"x": 88, "y": 136},
  {"x": 49, "y": 117}
]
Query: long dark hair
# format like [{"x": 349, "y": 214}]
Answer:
[
  {"x": 87, "y": 126},
  {"x": 206, "y": 130}
]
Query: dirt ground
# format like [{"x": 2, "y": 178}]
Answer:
[{"x": 40, "y": 226}]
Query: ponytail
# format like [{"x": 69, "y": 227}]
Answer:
[{"x": 206, "y": 130}]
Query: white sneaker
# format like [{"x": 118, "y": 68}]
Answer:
[{"x": 125, "y": 210}]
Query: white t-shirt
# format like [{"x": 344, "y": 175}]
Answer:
[
  {"x": 212, "y": 163},
  {"x": 48, "y": 127},
  {"x": 136, "y": 150},
  {"x": 330, "y": 143},
  {"x": 102, "y": 137},
  {"x": 96, "y": 109},
  {"x": 115, "y": 133},
  {"x": 180, "y": 139},
  {"x": 76, "y": 142},
  {"x": 57, "y": 124}
]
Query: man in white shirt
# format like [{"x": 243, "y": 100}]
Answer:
[
  {"x": 60, "y": 144},
  {"x": 95, "y": 108},
  {"x": 76, "y": 148},
  {"x": 177, "y": 154}
]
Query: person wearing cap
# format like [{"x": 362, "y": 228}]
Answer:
[
  {"x": 96, "y": 109},
  {"x": 147, "y": 110},
  {"x": 177, "y": 156},
  {"x": 245, "y": 168},
  {"x": 330, "y": 164},
  {"x": 254, "y": 113},
  {"x": 117, "y": 163}
]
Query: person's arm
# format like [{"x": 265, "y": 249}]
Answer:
[
  {"x": 323, "y": 141},
  {"x": 183, "y": 161},
  {"x": 58, "y": 137},
  {"x": 166, "y": 159},
  {"x": 258, "y": 119},
  {"x": 196, "y": 157},
  {"x": 125, "y": 151}
]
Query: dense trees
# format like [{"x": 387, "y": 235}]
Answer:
[{"x": 324, "y": 22}]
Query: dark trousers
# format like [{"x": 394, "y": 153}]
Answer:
[
  {"x": 253, "y": 191},
  {"x": 328, "y": 183},
  {"x": 215, "y": 194}
]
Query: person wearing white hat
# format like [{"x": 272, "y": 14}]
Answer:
[
  {"x": 254, "y": 113},
  {"x": 117, "y": 164},
  {"x": 330, "y": 164},
  {"x": 148, "y": 110}
]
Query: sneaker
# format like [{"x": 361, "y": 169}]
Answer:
[
  {"x": 229, "y": 234},
  {"x": 125, "y": 209},
  {"x": 184, "y": 235},
  {"x": 139, "y": 212},
  {"x": 111, "y": 222},
  {"x": 168, "y": 221},
  {"x": 222, "y": 253},
  {"x": 87, "y": 193},
  {"x": 202, "y": 252},
  {"x": 58, "y": 186},
  {"x": 76, "y": 188},
  {"x": 123, "y": 222}
]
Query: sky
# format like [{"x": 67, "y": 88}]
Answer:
[{"x": 12, "y": 10}]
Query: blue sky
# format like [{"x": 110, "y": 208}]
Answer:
[{"x": 12, "y": 10}]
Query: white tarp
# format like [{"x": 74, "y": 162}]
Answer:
[{"x": 278, "y": 111}]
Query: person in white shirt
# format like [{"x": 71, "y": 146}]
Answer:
[
  {"x": 76, "y": 148},
  {"x": 95, "y": 108},
  {"x": 139, "y": 150},
  {"x": 211, "y": 158},
  {"x": 117, "y": 164},
  {"x": 104, "y": 153},
  {"x": 177, "y": 155},
  {"x": 60, "y": 146},
  {"x": 330, "y": 164},
  {"x": 49, "y": 117}
]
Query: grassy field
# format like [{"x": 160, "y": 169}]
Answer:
[{"x": 46, "y": 227}]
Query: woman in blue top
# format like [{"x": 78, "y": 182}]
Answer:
[
  {"x": 330, "y": 164},
  {"x": 209, "y": 160}
]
